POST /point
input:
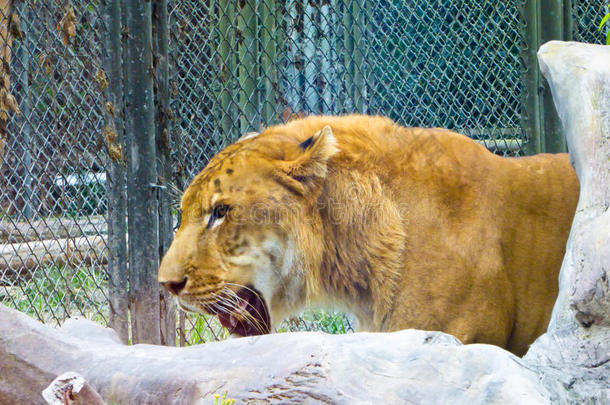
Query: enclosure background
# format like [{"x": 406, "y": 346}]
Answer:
[{"x": 233, "y": 67}]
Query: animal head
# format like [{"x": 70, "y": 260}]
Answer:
[{"x": 237, "y": 246}]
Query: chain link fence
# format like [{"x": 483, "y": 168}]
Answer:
[
  {"x": 52, "y": 194},
  {"x": 234, "y": 67},
  {"x": 585, "y": 17}
]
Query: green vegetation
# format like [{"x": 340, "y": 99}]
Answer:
[
  {"x": 224, "y": 399},
  {"x": 603, "y": 23},
  {"x": 329, "y": 322},
  {"x": 205, "y": 328},
  {"x": 54, "y": 293}
]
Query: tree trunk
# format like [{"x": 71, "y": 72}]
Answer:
[
  {"x": 9, "y": 29},
  {"x": 18, "y": 260},
  {"x": 577, "y": 342}
]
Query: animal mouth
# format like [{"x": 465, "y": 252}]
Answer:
[{"x": 247, "y": 315}]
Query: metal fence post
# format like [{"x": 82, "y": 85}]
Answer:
[
  {"x": 532, "y": 115},
  {"x": 359, "y": 90},
  {"x": 292, "y": 73},
  {"x": 114, "y": 135},
  {"x": 552, "y": 27},
  {"x": 141, "y": 169},
  {"x": 326, "y": 32},
  {"x": 271, "y": 36},
  {"x": 544, "y": 21},
  {"x": 348, "y": 53},
  {"x": 23, "y": 54},
  {"x": 161, "y": 42},
  {"x": 568, "y": 22},
  {"x": 226, "y": 43},
  {"x": 247, "y": 23},
  {"x": 310, "y": 64}
]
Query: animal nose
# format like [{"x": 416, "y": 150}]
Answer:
[{"x": 175, "y": 286}]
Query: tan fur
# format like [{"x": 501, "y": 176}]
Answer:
[{"x": 406, "y": 228}]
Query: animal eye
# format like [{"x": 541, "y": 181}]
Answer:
[{"x": 218, "y": 212}]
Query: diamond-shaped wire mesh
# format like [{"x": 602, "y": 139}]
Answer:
[
  {"x": 235, "y": 67},
  {"x": 52, "y": 225},
  {"x": 240, "y": 66},
  {"x": 586, "y": 17}
]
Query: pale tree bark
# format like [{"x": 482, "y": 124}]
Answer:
[
  {"x": 577, "y": 342},
  {"x": 71, "y": 389},
  {"x": 579, "y": 78},
  {"x": 9, "y": 30},
  {"x": 20, "y": 260}
]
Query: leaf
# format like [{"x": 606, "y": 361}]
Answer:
[{"x": 67, "y": 25}]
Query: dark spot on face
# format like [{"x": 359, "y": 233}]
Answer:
[
  {"x": 238, "y": 189},
  {"x": 229, "y": 172},
  {"x": 230, "y": 189},
  {"x": 250, "y": 191},
  {"x": 272, "y": 198},
  {"x": 217, "y": 185},
  {"x": 286, "y": 199}
]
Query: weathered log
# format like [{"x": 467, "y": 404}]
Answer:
[
  {"x": 71, "y": 389},
  {"x": 577, "y": 342},
  {"x": 579, "y": 77},
  {"x": 17, "y": 260},
  {"x": 51, "y": 228},
  {"x": 292, "y": 368}
]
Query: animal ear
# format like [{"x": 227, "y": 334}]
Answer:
[
  {"x": 248, "y": 136},
  {"x": 311, "y": 163},
  {"x": 316, "y": 150}
]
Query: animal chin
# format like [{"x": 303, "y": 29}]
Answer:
[{"x": 250, "y": 318}]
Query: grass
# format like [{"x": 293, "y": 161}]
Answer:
[
  {"x": 207, "y": 328},
  {"x": 223, "y": 400},
  {"x": 318, "y": 320},
  {"x": 54, "y": 293},
  {"x": 204, "y": 328}
]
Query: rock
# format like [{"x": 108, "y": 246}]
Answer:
[{"x": 290, "y": 368}]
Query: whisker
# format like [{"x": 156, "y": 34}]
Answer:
[
  {"x": 246, "y": 314},
  {"x": 242, "y": 286},
  {"x": 225, "y": 299}
]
